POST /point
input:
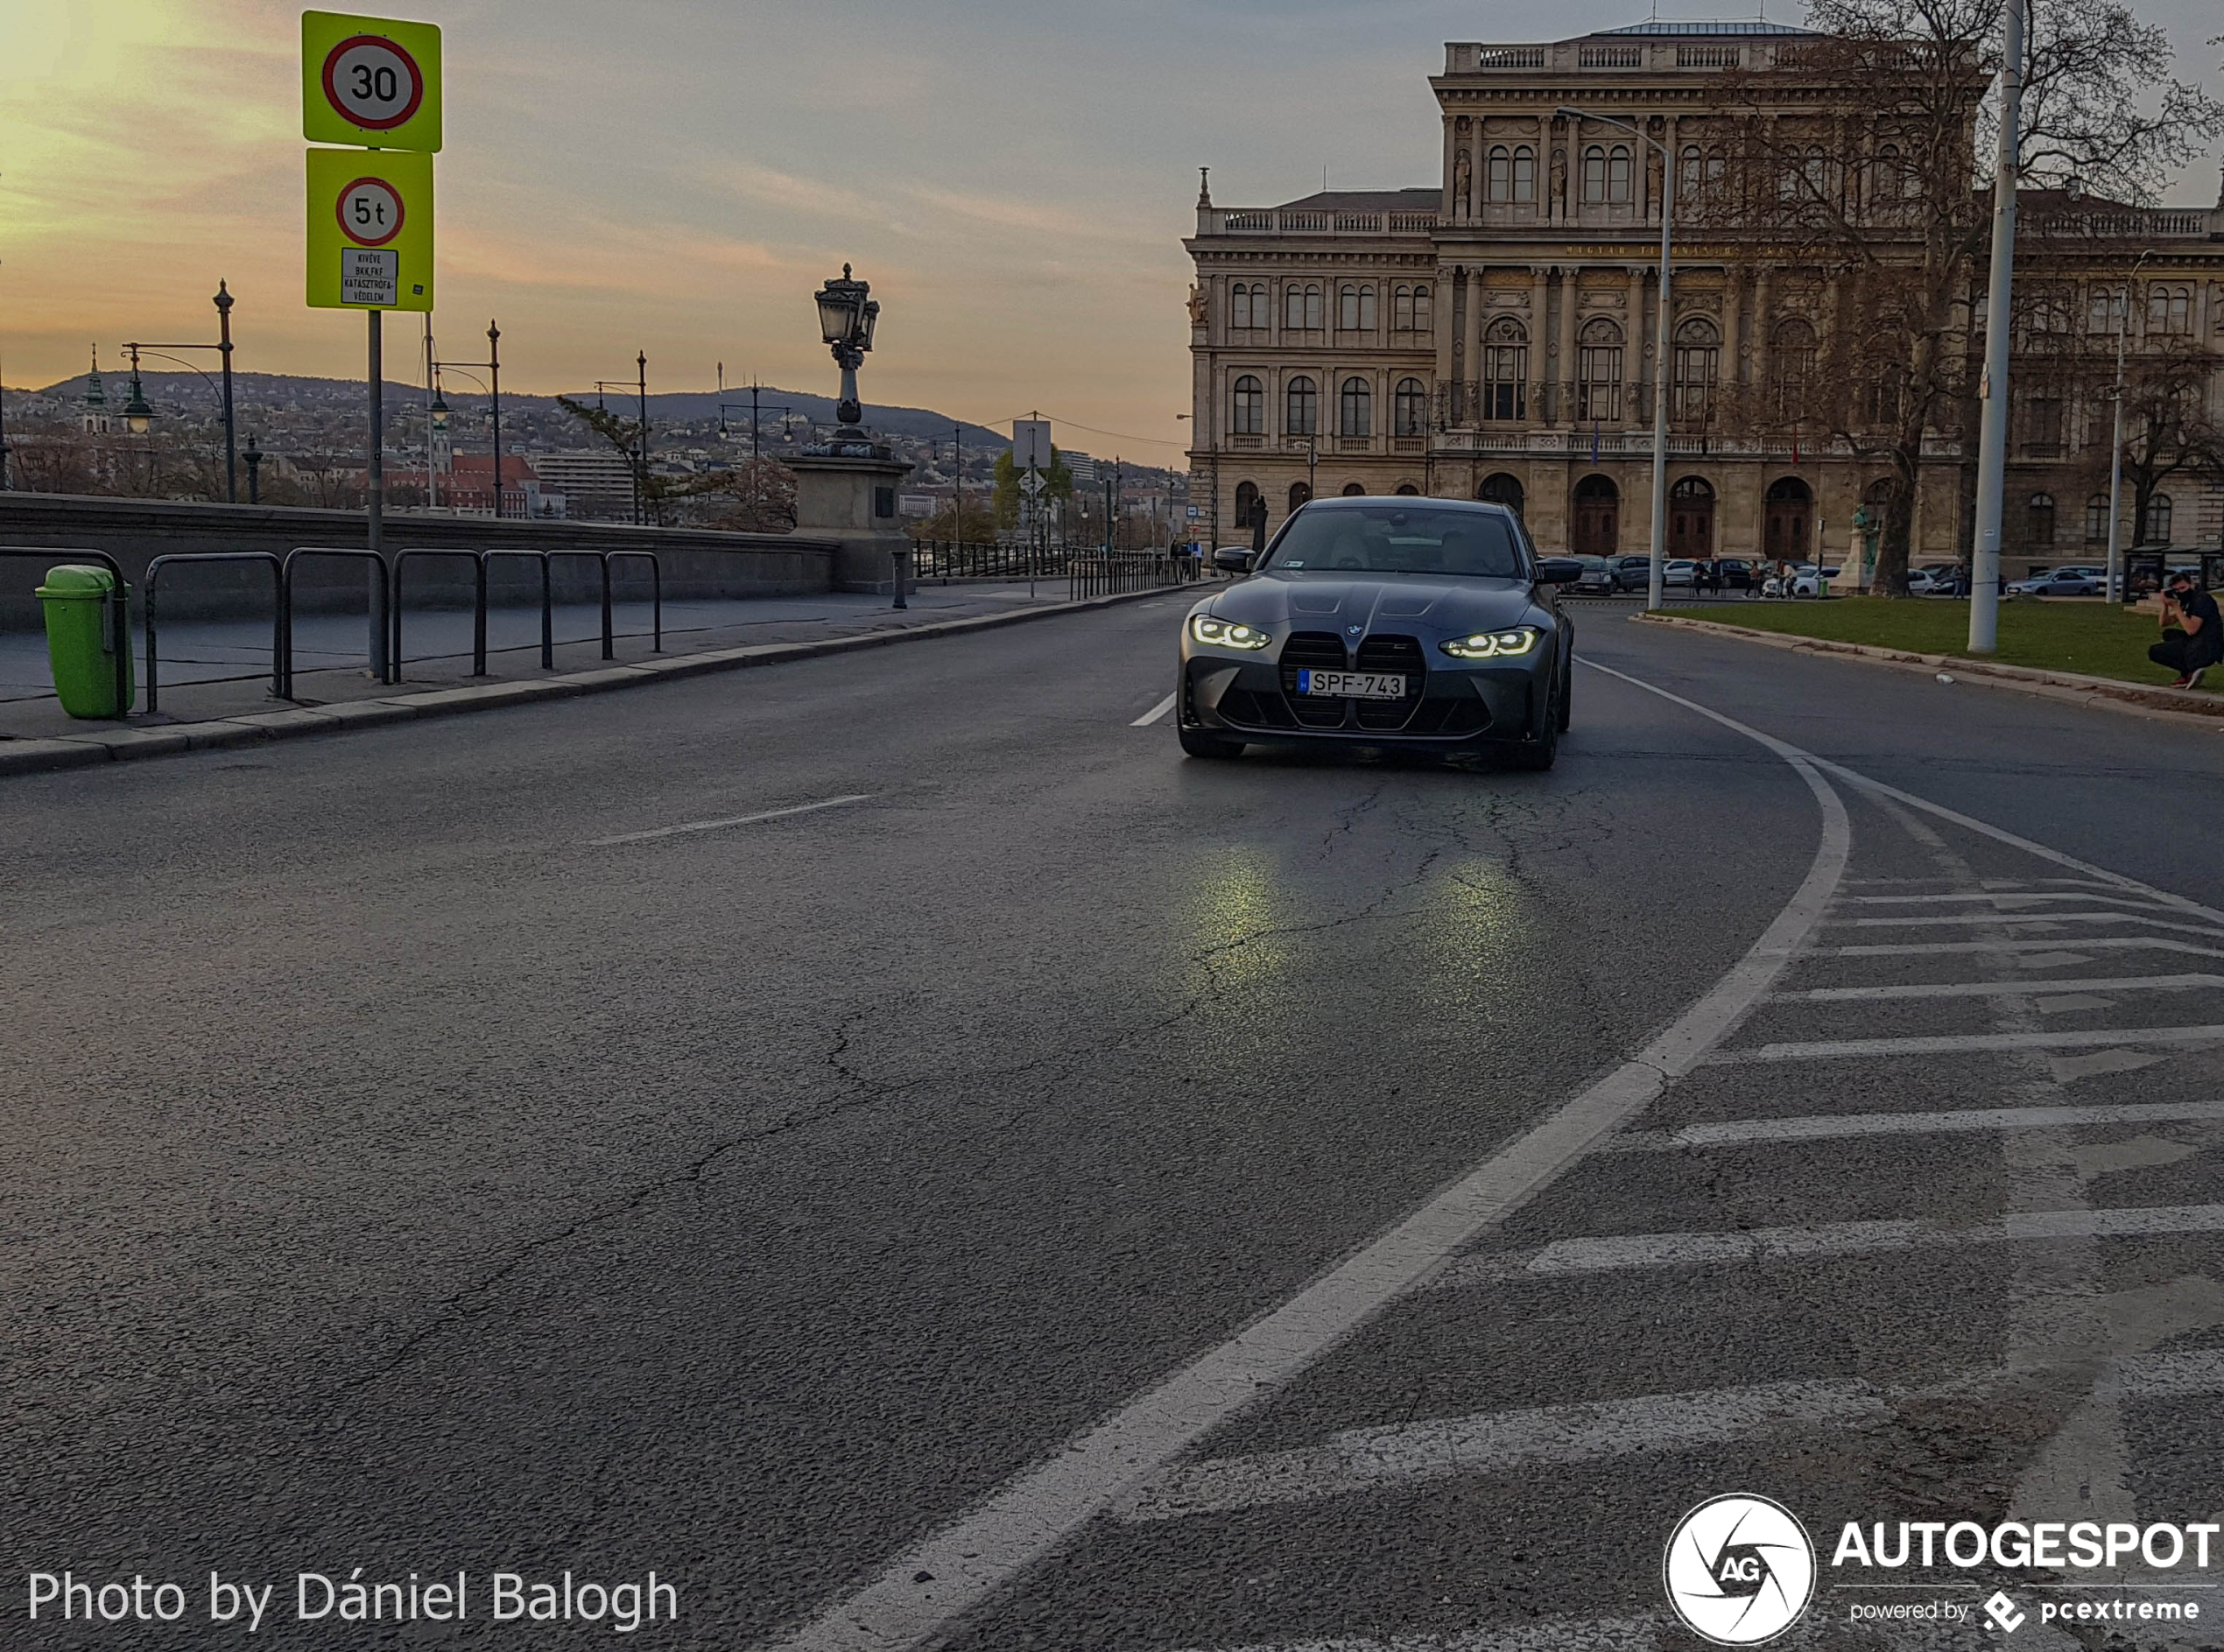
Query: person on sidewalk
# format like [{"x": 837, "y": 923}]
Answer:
[{"x": 2192, "y": 635}]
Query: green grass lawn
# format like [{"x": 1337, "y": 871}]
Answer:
[{"x": 2096, "y": 638}]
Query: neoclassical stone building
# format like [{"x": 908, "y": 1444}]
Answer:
[{"x": 1493, "y": 336}]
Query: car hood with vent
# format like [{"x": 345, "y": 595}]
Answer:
[{"x": 1419, "y": 604}]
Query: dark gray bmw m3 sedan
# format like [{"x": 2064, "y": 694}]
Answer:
[{"x": 1421, "y": 624}]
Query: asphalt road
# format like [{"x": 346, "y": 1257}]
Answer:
[{"x": 422, "y": 1159}]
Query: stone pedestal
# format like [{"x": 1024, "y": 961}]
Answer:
[{"x": 846, "y": 492}]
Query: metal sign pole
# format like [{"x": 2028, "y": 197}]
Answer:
[{"x": 376, "y": 500}]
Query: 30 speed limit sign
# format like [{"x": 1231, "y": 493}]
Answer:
[{"x": 370, "y": 81}]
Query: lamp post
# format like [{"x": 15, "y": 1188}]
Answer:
[
  {"x": 1992, "y": 435},
  {"x": 439, "y": 410},
  {"x": 755, "y": 404},
  {"x": 640, "y": 387},
  {"x": 1654, "y": 582},
  {"x": 847, "y": 316},
  {"x": 254, "y": 458},
  {"x": 2114, "y": 588},
  {"x": 223, "y": 346}
]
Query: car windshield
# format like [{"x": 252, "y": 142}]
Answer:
[{"x": 1399, "y": 539}]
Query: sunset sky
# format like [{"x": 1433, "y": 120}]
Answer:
[{"x": 678, "y": 175}]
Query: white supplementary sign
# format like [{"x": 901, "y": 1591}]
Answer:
[
  {"x": 369, "y": 276},
  {"x": 373, "y": 82},
  {"x": 1033, "y": 483},
  {"x": 370, "y": 212}
]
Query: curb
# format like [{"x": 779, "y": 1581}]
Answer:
[
  {"x": 109, "y": 743},
  {"x": 2187, "y": 707}
]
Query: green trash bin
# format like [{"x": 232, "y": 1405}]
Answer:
[{"x": 81, "y": 640}]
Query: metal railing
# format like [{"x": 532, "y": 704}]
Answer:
[
  {"x": 478, "y": 609},
  {"x": 381, "y": 584},
  {"x": 119, "y": 607},
  {"x": 946, "y": 560},
  {"x": 547, "y": 600},
  {"x": 656, "y": 589},
  {"x": 1099, "y": 573},
  {"x": 281, "y": 639}
]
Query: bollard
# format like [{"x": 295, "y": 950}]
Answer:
[{"x": 902, "y": 560}]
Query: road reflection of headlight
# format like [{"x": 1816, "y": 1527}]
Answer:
[
  {"x": 1226, "y": 633},
  {"x": 1492, "y": 644}
]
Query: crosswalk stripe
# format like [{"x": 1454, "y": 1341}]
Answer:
[
  {"x": 2090, "y": 943},
  {"x": 1827, "y": 1126},
  {"x": 1946, "y": 918},
  {"x": 1388, "y": 1457},
  {"x": 1619, "y": 1253},
  {"x": 1998, "y": 989},
  {"x": 2002, "y": 897},
  {"x": 1963, "y": 1043},
  {"x": 1367, "y": 1458}
]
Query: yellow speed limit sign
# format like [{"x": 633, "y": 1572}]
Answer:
[
  {"x": 370, "y": 229},
  {"x": 370, "y": 81}
]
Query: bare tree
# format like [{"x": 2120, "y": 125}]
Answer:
[{"x": 764, "y": 497}]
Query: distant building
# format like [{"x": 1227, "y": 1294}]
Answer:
[
  {"x": 93, "y": 417},
  {"x": 596, "y": 482}
]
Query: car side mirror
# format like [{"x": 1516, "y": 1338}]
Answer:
[
  {"x": 1232, "y": 559},
  {"x": 1558, "y": 571}
]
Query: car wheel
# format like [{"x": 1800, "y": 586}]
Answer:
[
  {"x": 1545, "y": 751},
  {"x": 1200, "y": 744}
]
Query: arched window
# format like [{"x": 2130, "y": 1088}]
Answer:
[
  {"x": 1888, "y": 174},
  {"x": 1699, "y": 360},
  {"x": 1688, "y": 170},
  {"x": 1246, "y": 502},
  {"x": 2104, "y": 311},
  {"x": 1355, "y": 309},
  {"x": 2096, "y": 519},
  {"x": 1301, "y": 493},
  {"x": 1594, "y": 173},
  {"x": 1505, "y": 370},
  {"x": 1407, "y": 490},
  {"x": 1251, "y": 310},
  {"x": 1501, "y": 173},
  {"x": 2170, "y": 309},
  {"x": 1501, "y": 488},
  {"x": 2155, "y": 529},
  {"x": 1247, "y": 407},
  {"x": 1599, "y": 364},
  {"x": 1815, "y": 175},
  {"x": 1409, "y": 408},
  {"x": 1401, "y": 309},
  {"x": 1356, "y": 408},
  {"x": 1424, "y": 313},
  {"x": 1792, "y": 368},
  {"x": 2039, "y": 520},
  {"x": 1524, "y": 172},
  {"x": 1353, "y": 489},
  {"x": 1617, "y": 173},
  {"x": 1301, "y": 308},
  {"x": 1303, "y": 408}
]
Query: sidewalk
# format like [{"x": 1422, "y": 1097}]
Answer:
[{"x": 219, "y": 669}]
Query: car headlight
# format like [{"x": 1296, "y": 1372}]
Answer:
[
  {"x": 1226, "y": 633},
  {"x": 1492, "y": 644}
]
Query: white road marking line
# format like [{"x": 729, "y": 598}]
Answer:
[
  {"x": 1154, "y": 713},
  {"x": 2044, "y": 948},
  {"x": 734, "y": 820},
  {"x": 2195, "y": 1373},
  {"x": 1492, "y": 1441},
  {"x": 1829, "y": 1125},
  {"x": 1998, "y": 989},
  {"x": 1962, "y": 1043},
  {"x": 1622, "y": 1252},
  {"x": 2049, "y": 919},
  {"x": 1989, "y": 895},
  {"x": 1545, "y": 1634},
  {"x": 1038, "y": 1508}
]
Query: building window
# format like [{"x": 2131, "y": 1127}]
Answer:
[
  {"x": 1353, "y": 489},
  {"x": 1501, "y": 173},
  {"x": 1594, "y": 174},
  {"x": 1247, "y": 407},
  {"x": 1617, "y": 173},
  {"x": 2042, "y": 427},
  {"x": 1301, "y": 308},
  {"x": 1356, "y": 408},
  {"x": 1246, "y": 502},
  {"x": 1355, "y": 309},
  {"x": 1409, "y": 408},
  {"x": 1599, "y": 384},
  {"x": 1698, "y": 364},
  {"x": 1792, "y": 367},
  {"x": 2170, "y": 309},
  {"x": 2096, "y": 519},
  {"x": 1304, "y": 408},
  {"x": 1409, "y": 309},
  {"x": 1300, "y": 493},
  {"x": 2104, "y": 311},
  {"x": 2155, "y": 529},
  {"x": 1524, "y": 172},
  {"x": 1699, "y": 172},
  {"x": 1247, "y": 311},
  {"x": 2039, "y": 520},
  {"x": 1505, "y": 370}
]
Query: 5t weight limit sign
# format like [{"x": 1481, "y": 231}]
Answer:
[
  {"x": 370, "y": 230},
  {"x": 371, "y": 212}
]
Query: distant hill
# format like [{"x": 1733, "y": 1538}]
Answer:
[{"x": 186, "y": 392}]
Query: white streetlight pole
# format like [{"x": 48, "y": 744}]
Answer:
[
  {"x": 2116, "y": 447},
  {"x": 1992, "y": 439},
  {"x": 1655, "y": 594}
]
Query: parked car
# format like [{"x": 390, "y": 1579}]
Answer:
[
  {"x": 2060, "y": 582},
  {"x": 1679, "y": 571},
  {"x": 1635, "y": 573},
  {"x": 1737, "y": 573},
  {"x": 1600, "y": 577},
  {"x": 1807, "y": 579}
]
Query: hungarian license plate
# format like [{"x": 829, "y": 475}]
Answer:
[{"x": 1353, "y": 685}]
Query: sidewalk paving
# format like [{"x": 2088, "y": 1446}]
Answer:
[{"x": 214, "y": 669}]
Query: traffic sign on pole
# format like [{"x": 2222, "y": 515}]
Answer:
[
  {"x": 1031, "y": 443},
  {"x": 370, "y": 230},
  {"x": 370, "y": 81}
]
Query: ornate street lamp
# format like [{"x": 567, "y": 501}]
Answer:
[
  {"x": 847, "y": 316},
  {"x": 439, "y": 413},
  {"x": 138, "y": 416}
]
